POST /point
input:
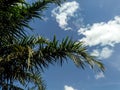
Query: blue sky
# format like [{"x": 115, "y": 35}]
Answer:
[{"x": 97, "y": 24}]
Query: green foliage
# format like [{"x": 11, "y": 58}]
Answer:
[{"x": 24, "y": 57}]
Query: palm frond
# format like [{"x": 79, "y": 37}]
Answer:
[
  {"x": 57, "y": 52},
  {"x": 21, "y": 56},
  {"x": 37, "y": 79},
  {"x": 10, "y": 87}
]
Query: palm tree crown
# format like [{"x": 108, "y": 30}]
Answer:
[{"x": 23, "y": 57}]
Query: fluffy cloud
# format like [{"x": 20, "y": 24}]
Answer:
[
  {"x": 102, "y": 33},
  {"x": 99, "y": 75},
  {"x": 63, "y": 13},
  {"x": 102, "y": 54},
  {"x": 68, "y": 88}
]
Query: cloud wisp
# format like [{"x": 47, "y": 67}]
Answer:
[
  {"x": 99, "y": 75},
  {"x": 66, "y": 87},
  {"x": 103, "y": 53},
  {"x": 64, "y": 13}
]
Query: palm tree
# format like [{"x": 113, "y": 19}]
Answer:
[{"x": 24, "y": 57}]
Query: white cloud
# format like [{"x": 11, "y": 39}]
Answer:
[
  {"x": 69, "y": 88},
  {"x": 102, "y": 33},
  {"x": 102, "y": 54},
  {"x": 99, "y": 75},
  {"x": 63, "y": 13},
  {"x": 45, "y": 18}
]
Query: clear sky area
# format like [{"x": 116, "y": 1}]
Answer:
[{"x": 97, "y": 24}]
